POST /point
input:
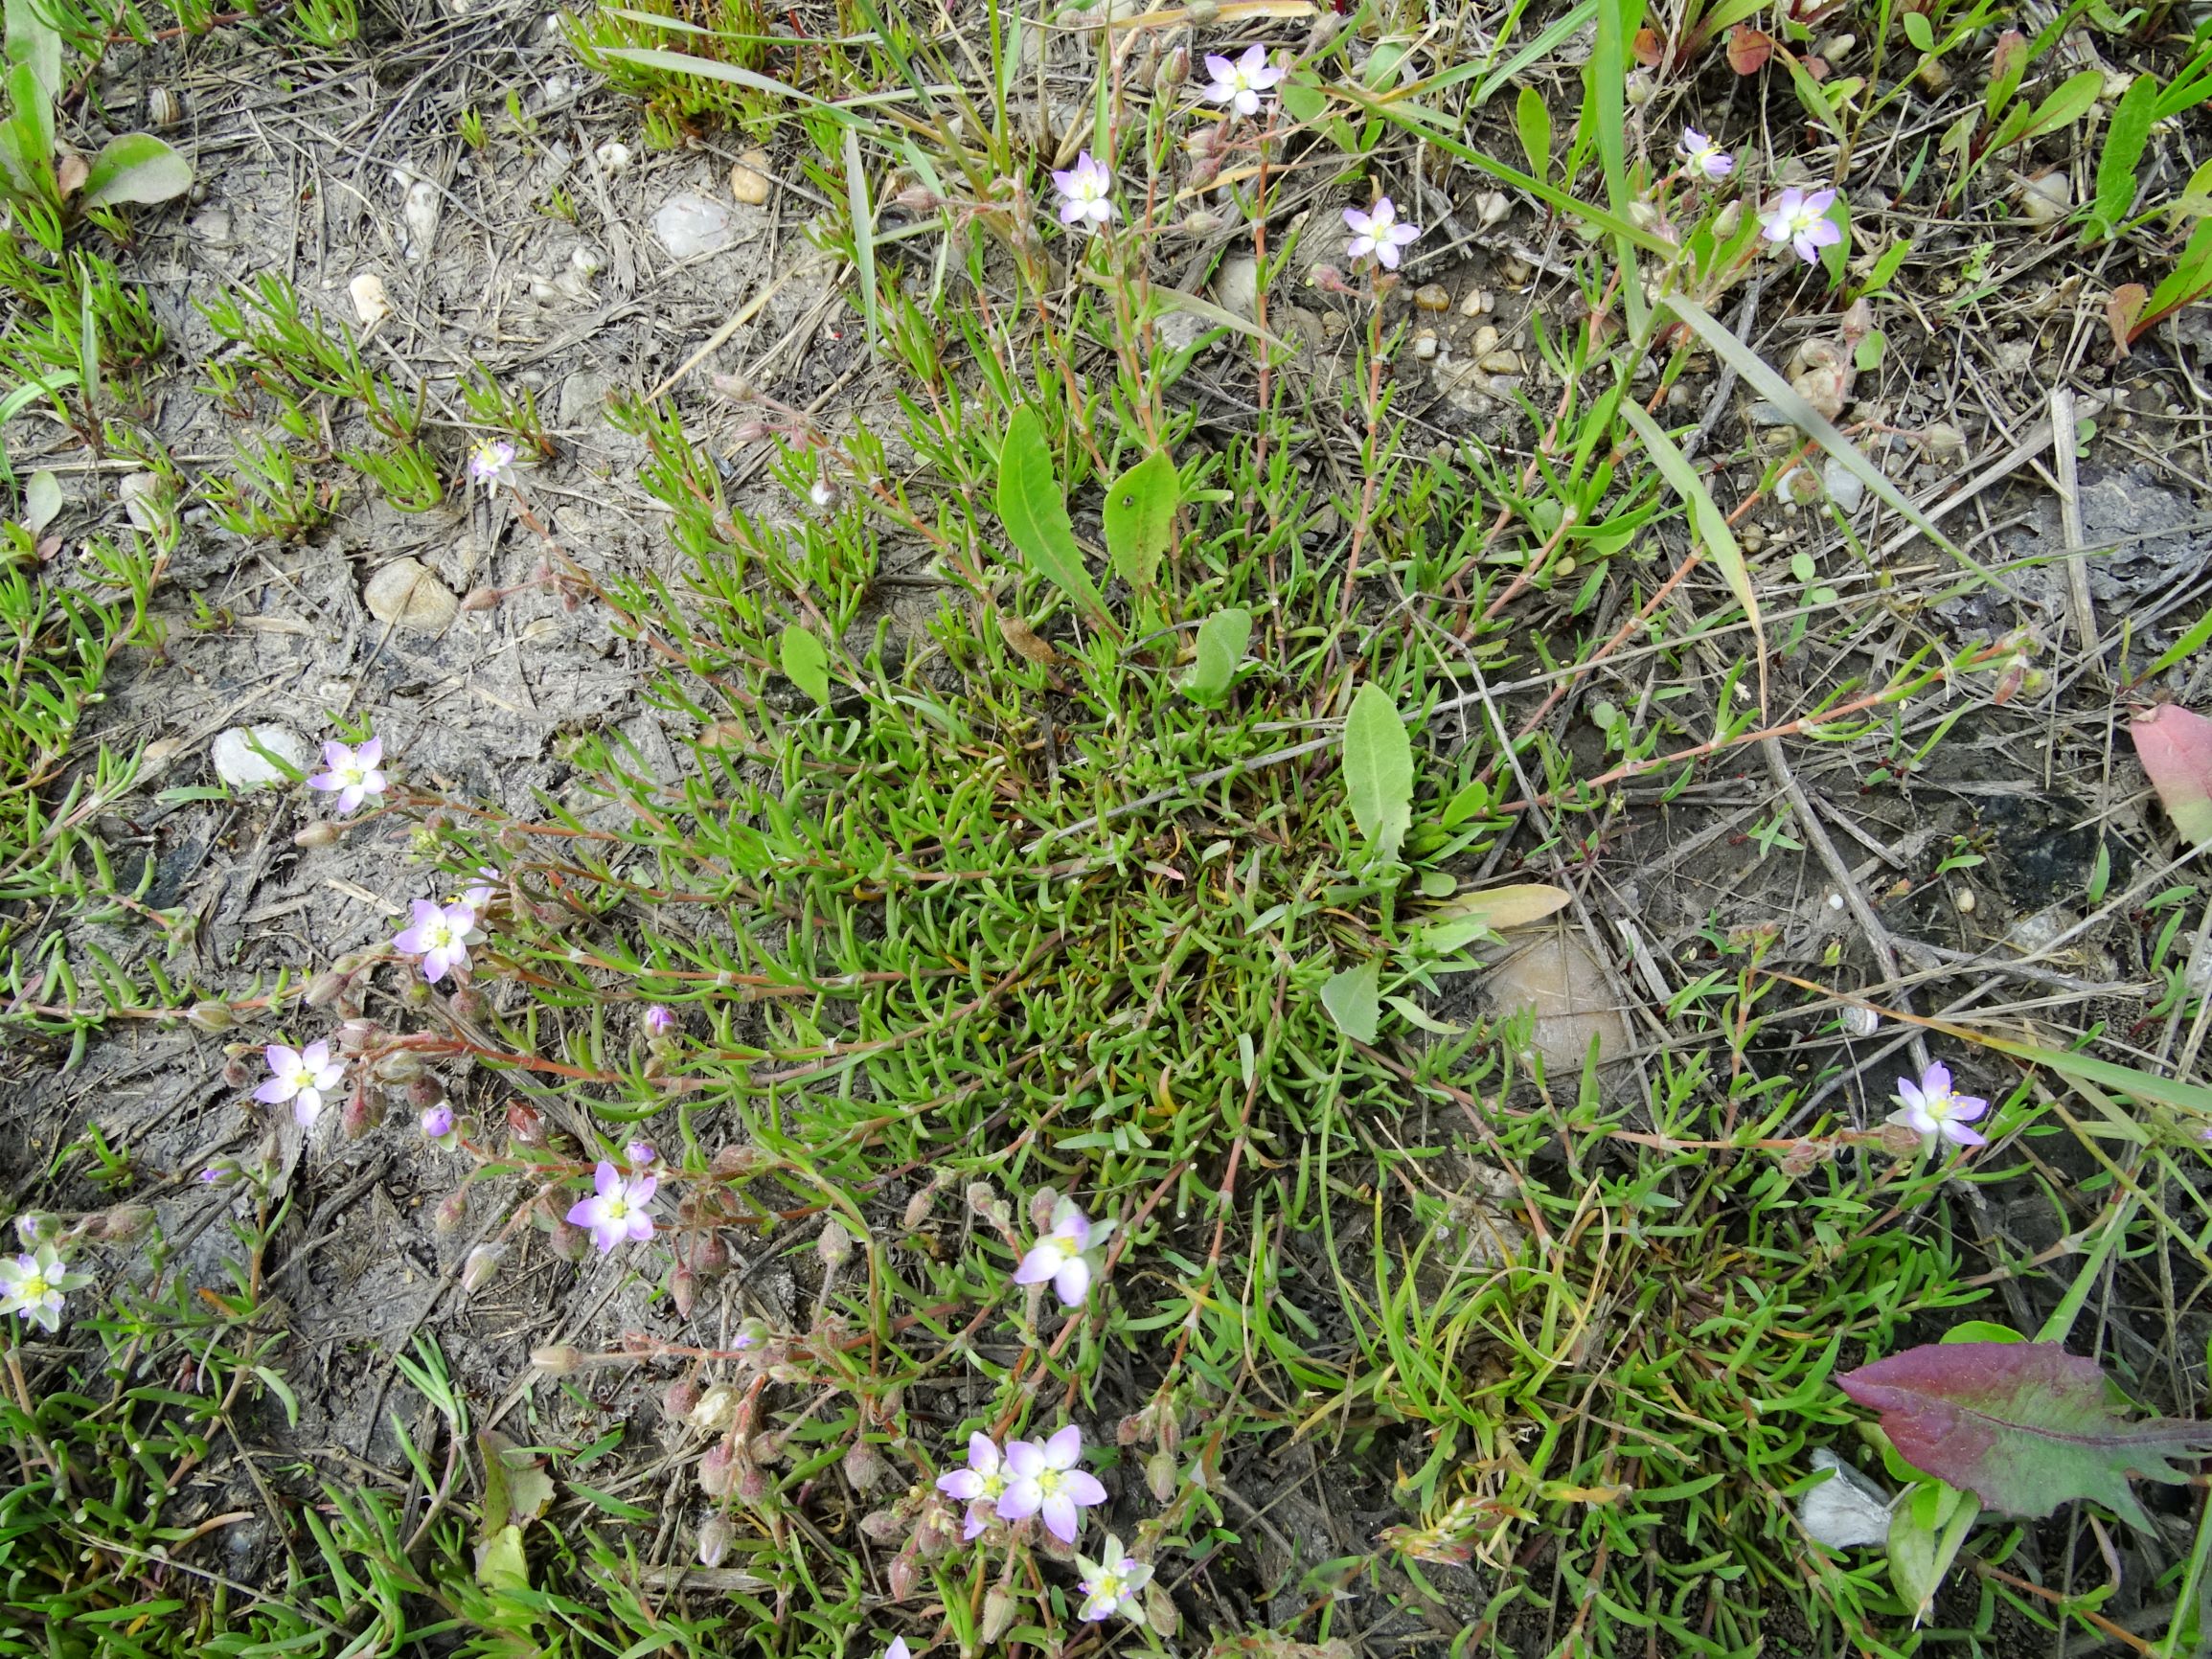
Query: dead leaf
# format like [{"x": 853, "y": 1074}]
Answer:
[
  {"x": 405, "y": 594},
  {"x": 1647, "y": 48},
  {"x": 2121, "y": 311},
  {"x": 1026, "y": 640},
  {"x": 1748, "y": 50},
  {"x": 70, "y": 172},
  {"x": 1499, "y": 908}
]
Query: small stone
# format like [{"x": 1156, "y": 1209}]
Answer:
[
  {"x": 613, "y": 156},
  {"x": 1490, "y": 207},
  {"x": 1478, "y": 303},
  {"x": 1486, "y": 340},
  {"x": 1844, "y": 487},
  {"x": 690, "y": 225},
  {"x": 749, "y": 180},
  {"x": 1424, "y": 345},
  {"x": 1431, "y": 297},
  {"x": 407, "y": 595},
  {"x": 2047, "y": 199},
  {"x": 1237, "y": 285},
  {"x": 371, "y": 303},
  {"x": 140, "y": 493},
  {"x": 1515, "y": 272},
  {"x": 418, "y": 214},
  {"x": 240, "y": 762},
  {"x": 1500, "y": 362}
]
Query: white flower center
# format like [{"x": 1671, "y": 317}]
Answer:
[
  {"x": 439, "y": 934},
  {"x": 617, "y": 1207}
]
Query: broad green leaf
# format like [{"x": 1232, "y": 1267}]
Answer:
[
  {"x": 35, "y": 41},
  {"x": 1534, "y": 117},
  {"x": 1499, "y": 908},
  {"x": 1707, "y": 522},
  {"x": 1920, "y": 31},
  {"x": 806, "y": 663},
  {"x": 1035, "y": 512},
  {"x": 2190, "y": 277},
  {"x": 41, "y": 501},
  {"x": 500, "y": 1563},
  {"x": 2075, "y": 98},
  {"x": 1140, "y": 518},
  {"x": 2024, "y": 1426},
  {"x": 1925, "y": 1536},
  {"x": 2008, "y": 62},
  {"x": 136, "y": 168},
  {"x": 2125, "y": 136},
  {"x": 1378, "y": 769},
  {"x": 32, "y": 116},
  {"x": 1222, "y": 641},
  {"x": 1353, "y": 1000}
]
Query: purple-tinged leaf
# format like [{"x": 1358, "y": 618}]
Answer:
[
  {"x": 2176, "y": 748},
  {"x": 2025, "y": 1426}
]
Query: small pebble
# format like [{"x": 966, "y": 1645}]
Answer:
[
  {"x": 1963, "y": 897},
  {"x": 749, "y": 180},
  {"x": 1431, "y": 297},
  {"x": 240, "y": 764},
  {"x": 689, "y": 225},
  {"x": 1486, "y": 340},
  {"x": 1501, "y": 362},
  {"x": 371, "y": 303},
  {"x": 1424, "y": 345}
]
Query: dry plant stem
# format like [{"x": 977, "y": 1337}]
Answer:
[
  {"x": 1863, "y": 912},
  {"x": 2082, "y": 608}
]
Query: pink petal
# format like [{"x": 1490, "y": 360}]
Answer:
[
  {"x": 642, "y": 1190},
  {"x": 1354, "y": 219},
  {"x": 1061, "y": 1519},
  {"x": 276, "y": 1091},
  {"x": 1020, "y": 1500},
  {"x": 977, "y": 1522},
  {"x": 1219, "y": 67},
  {"x": 982, "y": 1454},
  {"x": 1964, "y": 1108},
  {"x": 1072, "y": 1282},
  {"x": 371, "y": 751},
  {"x": 1064, "y": 1448},
  {"x": 606, "y": 1179},
  {"x": 966, "y": 1484},
  {"x": 1041, "y": 1263},
  {"x": 1082, "y": 1487},
  {"x": 584, "y": 1213},
  {"x": 1027, "y": 1460},
  {"x": 281, "y": 1058},
  {"x": 1965, "y": 1136}
]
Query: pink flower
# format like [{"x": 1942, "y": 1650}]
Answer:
[
  {"x": 640, "y": 1155},
  {"x": 1059, "y": 1255},
  {"x": 438, "y": 1121},
  {"x": 1045, "y": 1481},
  {"x": 1114, "y": 1583},
  {"x": 1239, "y": 83},
  {"x": 299, "y": 1076},
  {"x": 1087, "y": 190},
  {"x": 351, "y": 772},
  {"x": 1801, "y": 220},
  {"x": 658, "y": 1021},
  {"x": 1706, "y": 158},
  {"x": 439, "y": 936},
  {"x": 479, "y": 894},
  {"x": 492, "y": 463},
  {"x": 979, "y": 1486},
  {"x": 1932, "y": 1107},
  {"x": 1378, "y": 232},
  {"x": 618, "y": 1212},
  {"x": 897, "y": 1650}
]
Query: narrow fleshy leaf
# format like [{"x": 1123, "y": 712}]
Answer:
[
  {"x": 2025, "y": 1426},
  {"x": 1378, "y": 769},
  {"x": 2176, "y": 748}
]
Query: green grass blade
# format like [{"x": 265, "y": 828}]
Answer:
[{"x": 864, "y": 234}]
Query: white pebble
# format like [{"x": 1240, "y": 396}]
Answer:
[{"x": 238, "y": 761}]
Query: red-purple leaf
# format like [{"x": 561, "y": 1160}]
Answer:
[
  {"x": 1748, "y": 49},
  {"x": 2175, "y": 749},
  {"x": 2025, "y": 1426}
]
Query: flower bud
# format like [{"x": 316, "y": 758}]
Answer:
[
  {"x": 399, "y": 1066},
  {"x": 210, "y": 1016},
  {"x": 713, "y": 1540},
  {"x": 525, "y": 1123},
  {"x": 569, "y": 1241},
  {"x": 323, "y": 832},
  {"x": 1174, "y": 69},
  {"x": 998, "y": 1613},
  {"x": 324, "y": 988},
  {"x": 903, "y": 1573},
  {"x": 426, "y": 1091},
  {"x": 938, "y": 1529},
  {"x": 452, "y": 1210},
  {"x": 36, "y": 1227},
  {"x": 1134, "y": 1428},
  {"x": 1161, "y": 1474},
  {"x": 754, "y": 1485},
  {"x": 480, "y": 598},
  {"x": 684, "y": 1290},
  {"x": 361, "y": 1114},
  {"x": 237, "y": 1072},
  {"x": 679, "y": 1400},
  {"x": 123, "y": 1222},
  {"x": 917, "y": 1209},
  {"x": 557, "y": 1360},
  {"x": 864, "y": 1466},
  {"x": 415, "y": 993},
  {"x": 885, "y": 1527},
  {"x": 468, "y": 1003},
  {"x": 835, "y": 1244},
  {"x": 1727, "y": 220},
  {"x": 769, "y": 1448},
  {"x": 483, "y": 1262},
  {"x": 358, "y": 1036},
  {"x": 717, "y": 1469},
  {"x": 736, "y": 1163}
]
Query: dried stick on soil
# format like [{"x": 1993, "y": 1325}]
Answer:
[
  {"x": 2084, "y": 612},
  {"x": 1817, "y": 838}
]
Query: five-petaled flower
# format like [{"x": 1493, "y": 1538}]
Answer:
[
  {"x": 479, "y": 894},
  {"x": 1059, "y": 1256},
  {"x": 299, "y": 1076},
  {"x": 438, "y": 1121},
  {"x": 1086, "y": 190},
  {"x": 351, "y": 772},
  {"x": 1706, "y": 156},
  {"x": 1933, "y": 1107},
  {"x": 1378, "y": 231},
  {"x": 1043, "y": 1480},
  {"x": 34, "y": 1286},
  {"x": 492, "y": 463},
  {"x": 979, "y": 1486},
  {"x": 1114, "y": 1583},
  {"x": 438, "y": 936},
  {"x": 1801, "y": 220},
  {"x": 619, "y": 1212},
  {"x": 659, "y": 1021},
  {"x": 1238, "y": 82}
]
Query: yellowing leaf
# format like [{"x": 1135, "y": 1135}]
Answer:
[{"x": 1499, "y": 908}]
